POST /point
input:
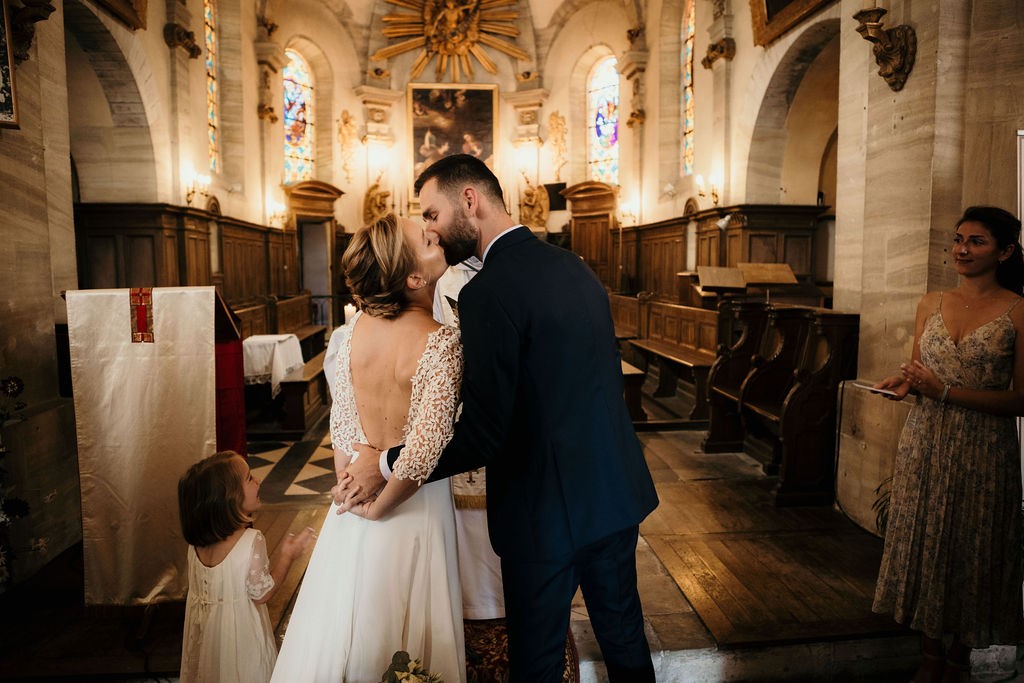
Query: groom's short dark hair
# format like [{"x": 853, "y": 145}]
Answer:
[{"x": 452, "y": 172}]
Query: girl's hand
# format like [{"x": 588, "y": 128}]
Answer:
[
  {"x": 295, "y": 544},
  {"x": 897, "y": 384},
  {"x": 922, "y": 379}
]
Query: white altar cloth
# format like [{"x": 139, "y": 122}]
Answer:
[
  {"x": 145, "y": 411},
  {"x": 269, "y": 358}
]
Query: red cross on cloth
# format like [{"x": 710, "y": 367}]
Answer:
[{"x": 141, "y": 302}]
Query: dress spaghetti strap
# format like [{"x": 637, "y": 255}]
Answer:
[{"x": 1013, "y": 305}]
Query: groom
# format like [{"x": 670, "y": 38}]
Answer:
[{"x": 567, "y": 484}]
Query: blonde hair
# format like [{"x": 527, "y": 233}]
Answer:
[
  {"x": 210, "y": 500},
  {"x": 376, "y": 263}
]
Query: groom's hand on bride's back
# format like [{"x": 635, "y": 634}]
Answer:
[{"x": 360, "y": 480}]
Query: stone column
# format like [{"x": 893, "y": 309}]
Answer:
[
  {"x": 183, "y": 46},
  {"x": 270, "y": 60},
  {"x": 721, "y": 50},
  {"x": 632, "y": 65}
]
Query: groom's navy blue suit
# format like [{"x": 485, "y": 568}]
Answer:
[{"x": 567, "y": 484}]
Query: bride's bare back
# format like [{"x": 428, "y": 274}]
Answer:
[{"x": 384, "y": 357}]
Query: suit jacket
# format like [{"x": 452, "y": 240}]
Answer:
[{"x": 542, "y": 404}]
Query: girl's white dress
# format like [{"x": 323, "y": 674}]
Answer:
[
  {"x": 372, "y": 588},
  {"x": 227, "y": 636}
]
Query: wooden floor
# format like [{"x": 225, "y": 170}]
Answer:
[{"x": 753, "y": 575}]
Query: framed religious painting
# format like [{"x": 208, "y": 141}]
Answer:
[
  {"x": 8, "y": 96},
  {"x": 452, "y": 119},
  {"x": 772, "y": 18}
]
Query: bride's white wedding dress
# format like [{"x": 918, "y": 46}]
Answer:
[{"x": 372, "y": 588}]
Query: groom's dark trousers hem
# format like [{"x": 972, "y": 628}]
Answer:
[{"x": 538, "y": 598}]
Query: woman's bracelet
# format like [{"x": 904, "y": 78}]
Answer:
[{"x": 945, "y": 393}]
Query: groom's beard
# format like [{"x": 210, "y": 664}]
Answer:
[{"x": 461, "y": 241}]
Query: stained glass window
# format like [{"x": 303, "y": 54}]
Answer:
[
  {"x": 212, "y": 113},
  {"x": 298, "y": 119},
  {"x": 603, "y": 121},
  {"x": 689, "y": 28}
]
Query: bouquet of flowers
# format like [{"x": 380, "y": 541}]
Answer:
[{"x": 405, "y": 668}]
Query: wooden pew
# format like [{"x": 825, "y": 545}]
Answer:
[
  {"x": 769, "y": 380},
  {"x": 625, "y": 315},
  {"x": 808, "y": 421},
  {"x": 295, "y": 316},
  {"x": 633, "y": 382},
  {"x": 305, "y": 396},
  {"x": 681, "y": 340},
  {"x": 789, "y": 409},
  {"x": 741, "y": 334}
]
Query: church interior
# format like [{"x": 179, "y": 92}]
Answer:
[{"x": 764, "y": 187}]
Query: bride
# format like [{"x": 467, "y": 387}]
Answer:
[{"x": 374, "y": 587}]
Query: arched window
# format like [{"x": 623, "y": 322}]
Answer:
[
  {"x": 212, "y": 110},
  {"x": 298, "y": 119},
  {"x": 686, "y": 134},
  {"x": 603, "y": 122}
]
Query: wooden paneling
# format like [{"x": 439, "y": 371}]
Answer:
[
  {"x": 662, "y": 255},
  {"x": 593, "y": 207},
  {"x": 759, "y": 233},
  {"x": 160, "y": 245}
]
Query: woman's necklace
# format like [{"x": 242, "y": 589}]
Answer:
[{"x": 974, "y": 301}]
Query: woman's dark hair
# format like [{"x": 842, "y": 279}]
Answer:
[
  {"x": 376, "y": 263},
  {"x": 453, "y": 172},
  {"x": 1005, "y": 228},
  {"x": 210, "y": 500}
]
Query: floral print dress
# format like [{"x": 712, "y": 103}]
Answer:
[{"x": 952, "y": 559}]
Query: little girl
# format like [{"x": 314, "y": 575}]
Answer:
[{"x": 228, "y": 636}]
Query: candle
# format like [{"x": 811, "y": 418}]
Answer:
[{"x": 350, "y": 312}]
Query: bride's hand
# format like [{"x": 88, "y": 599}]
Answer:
[{"x": 366, "y": 509}]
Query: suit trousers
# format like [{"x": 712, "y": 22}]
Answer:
[{"x": 538, "y": 598}]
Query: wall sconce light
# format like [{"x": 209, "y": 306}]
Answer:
[
  {"x": 669, "y": 190},
  {"x": 198, "y": 184},
  {"x": 277, "y": 214},
  {"x": 894, "y": 48},
  {"x": 701, "y": 192},
  {"x": 627, "y": 216}
]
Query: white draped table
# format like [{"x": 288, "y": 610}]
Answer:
[{"x": 269, "y": 358}]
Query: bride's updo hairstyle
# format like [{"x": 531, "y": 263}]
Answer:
[
  {"x": 1005, "y": 229},
  {"x": 376, "y": 264}
]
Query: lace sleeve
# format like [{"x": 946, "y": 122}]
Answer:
[
  {"x": 435, "y": 395},
  {"x": 258, "y": 581},
  {"x": 343, "y": 412}
]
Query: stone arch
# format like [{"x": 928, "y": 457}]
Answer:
[
  {"x": 323, "y": 92},
  {"x": 112, "y": 141},
  {"x": 778, "y": 76}
]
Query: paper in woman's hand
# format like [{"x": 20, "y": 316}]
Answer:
[{"x": 884, "y": 392}]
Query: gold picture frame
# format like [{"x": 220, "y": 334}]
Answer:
[
  {"x": 8, "y": 94},
  {"x": 447, "y": 119},
  {"x": 772, "y": 18}
]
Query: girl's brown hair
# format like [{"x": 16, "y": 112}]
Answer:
[
  {"x": 210, "y": 500},
  {"x": 376, "y": 264}
]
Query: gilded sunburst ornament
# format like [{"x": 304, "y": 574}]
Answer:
[{"x": 453, "y": 30}]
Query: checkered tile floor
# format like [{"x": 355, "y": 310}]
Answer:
[{"x": 293, "y": 470}]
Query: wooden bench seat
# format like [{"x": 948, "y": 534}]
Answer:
[
  {"x": 311, "y": 339},
  {"x": 305, "y": 395},
  {"x": 681, "y": 340},
  {"x": 633, "y": 382}
]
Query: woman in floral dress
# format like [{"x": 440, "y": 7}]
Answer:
[{"x": 952, "y": 562}]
